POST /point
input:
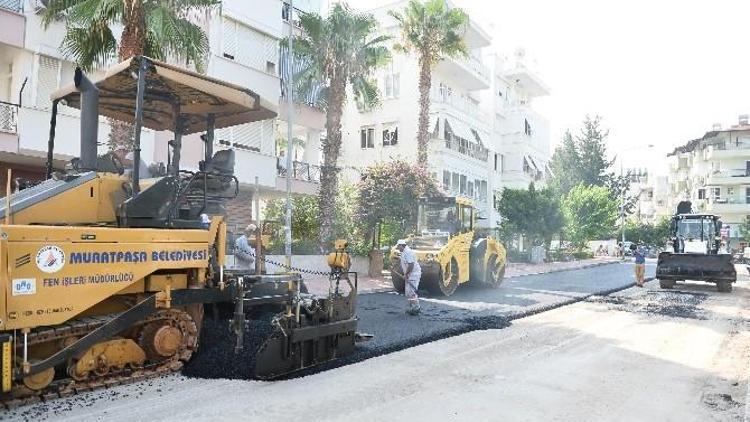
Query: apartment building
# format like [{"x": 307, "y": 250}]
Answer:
[
  {"x": 651, "y": 196},
  {"x": 713, "y": 172},
  {"x": 244, "y": 49},
  {"x": 459, "y": 153},
  {"x": 484, "y": 133},
  {"x": 520, "y": 140}
]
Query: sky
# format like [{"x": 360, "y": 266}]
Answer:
[{"x": 658, "y": 72}]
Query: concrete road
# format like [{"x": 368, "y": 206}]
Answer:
[{"x": 636, "y": 355}]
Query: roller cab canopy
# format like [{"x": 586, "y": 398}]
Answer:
[{"x": 171, "y": 92}]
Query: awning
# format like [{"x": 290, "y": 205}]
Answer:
[
  {"x": 531, "y": 162},
  {"x": 549, "y": 170},
  {"x": 168, "y": 88},
  {"x": 461, "y": 130}
]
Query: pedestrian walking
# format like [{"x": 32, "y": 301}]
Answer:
[
  {"x": 640, "y": 264},
  {"x": 244, "y": 253},
  {"x": 412, "y": 273}
]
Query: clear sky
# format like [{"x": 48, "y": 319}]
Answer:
[{"x": 658, "y": 71}]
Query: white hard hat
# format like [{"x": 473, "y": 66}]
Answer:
[
  {"x": 401, "y": 242},
  {"x": 251, "y": 228}
]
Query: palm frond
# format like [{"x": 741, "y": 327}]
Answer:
[{"x": 91, "y": 46}]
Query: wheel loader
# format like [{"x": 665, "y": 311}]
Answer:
[
  {"x": 697, "y": 255},
  {"x": 450, "y": 250},
  {"x": 106, "y": 273}
]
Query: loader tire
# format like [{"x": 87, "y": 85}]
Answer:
[
  {"x": 446, "y": 283},
  {"x": 398, "y": 282},
  {"x": 494, "y": 273},
  {"x": 666, "y": 284},
  {"x": 724, "y": 286}
]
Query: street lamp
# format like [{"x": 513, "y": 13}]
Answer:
[{"x": 622, "y": 194}]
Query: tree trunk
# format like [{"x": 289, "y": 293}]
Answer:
[
  {"x": 132, "y": 43},
  {"x": 329, "y": 172},
  {"x": 423, "y": 131}
]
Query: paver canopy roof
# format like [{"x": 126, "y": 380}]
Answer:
[{"x": 167, "y": 87}]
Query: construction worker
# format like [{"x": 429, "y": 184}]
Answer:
[
  {"x": 412, "y": 273},
  {"x": 244, "y": 253}
]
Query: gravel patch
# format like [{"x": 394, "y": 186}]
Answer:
[{"x": 678, "y": 304}]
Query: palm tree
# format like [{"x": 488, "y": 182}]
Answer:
[
  {"x": 337, "y": 51},
  {"x": 432, "y": 31},
  {"x": 156, "y": 28}
]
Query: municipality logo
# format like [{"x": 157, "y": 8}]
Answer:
[{"x": 50, "y": 259}]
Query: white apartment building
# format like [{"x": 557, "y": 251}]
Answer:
[
  {"x": 520, "y": 139},
  {"x": 244, "y": 49},
  {"x": 713, "y": 172},
  {"x": 652, "y": 196},
  {"x": 484, "y": 134}
]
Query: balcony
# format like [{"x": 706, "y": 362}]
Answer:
[
  {"x": 462, "y": 147},
  {"x": 305, "y": 177},
  {"x": 13, "y": 23},
  {"x": 727, "y": 150},
  {"x": 728, "y": 177},
  {"x": 458, "y": 105},
  {"x": 469, "y": 71},
  {"x": 8, "y": 117},
  {"x": 300, "y": 170},
  {"x": 527, "y": 80},
  {"x": 725, "y": 205},
  {"x": 12, "y": 5}
]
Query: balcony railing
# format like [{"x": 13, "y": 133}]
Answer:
[
  {"x": 12, "y": 5},
  {"x": 463, "y": 105},
  {"x": 470, "y": 149},
  {"x": 730, "y": 173},
  {"x": 300, "y": 170},
  {"x": 8, "y": 117}
]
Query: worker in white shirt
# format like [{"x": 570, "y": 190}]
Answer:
[
  {"x": 412, "y": 273},
  {"x": 244, "y": 253}
]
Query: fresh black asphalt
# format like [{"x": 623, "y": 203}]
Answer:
[{"x": 469, "y": 309}]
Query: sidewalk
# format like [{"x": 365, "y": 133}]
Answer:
[{"x": 319, "y": 284}]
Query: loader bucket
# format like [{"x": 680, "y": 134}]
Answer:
[{"x": 691, "y": 266}]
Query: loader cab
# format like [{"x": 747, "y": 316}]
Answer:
[{"x": 696, "y": 233}]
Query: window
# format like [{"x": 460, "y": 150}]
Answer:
[
  {"x": 392, "y": 85},
  {"x": 463, "y": 187},
  {"x": 747, "y": 195},
  {"x": 467, "y": 217},
  {"x": 502, "y": 162},
  {"x": 248, "y": 47},
  {"x": 527, "y": 127},
  {"x": 248, "y": 136},
  {"x": 717, "y": 193},
  {"x": 747, "y": 168},
  {"x": 455, "y": 182},
  {"x": 701, "y": 194},
  {"x": 48, "y": 76},
  {"x": 470, "y": 189},
  {"x": 367, "y": 137},
  {"x": 496, "y": 162},
  {"x": 390, "y": 135},
  {"x": 446, "y": 180}
]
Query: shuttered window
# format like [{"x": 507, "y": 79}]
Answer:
[
  {"x": 256, "y": 136},
  {"x": 48, "y": 74},
  {"x": 248, "y": 46}
]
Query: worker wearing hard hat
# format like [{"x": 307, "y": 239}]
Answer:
[
  {"x": 412, "y": 273},
  {"x": 243, "y": 252}
]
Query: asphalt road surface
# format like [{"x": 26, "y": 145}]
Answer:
[{"x": 383, "y": 314}]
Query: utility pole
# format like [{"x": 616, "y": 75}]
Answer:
[{"x": 289, "y": 130}]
